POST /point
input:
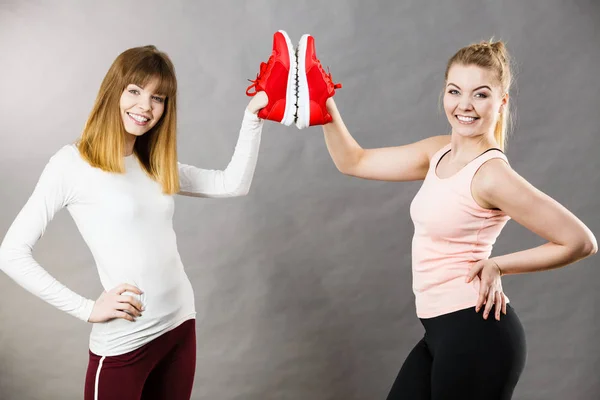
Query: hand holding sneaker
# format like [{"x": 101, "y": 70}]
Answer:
[
  {"x": 258, "y": 102},
  {"x": 277, "y": 77},
  {"x": 295, "y": 83},
  {"x": 315, "y": 86}
]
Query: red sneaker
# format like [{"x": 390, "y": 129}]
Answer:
[
  {"x": 315, "y": 86},
  {"x": 277, "y": 77}
]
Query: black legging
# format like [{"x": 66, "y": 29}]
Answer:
[{"x": 462, "y": 356}]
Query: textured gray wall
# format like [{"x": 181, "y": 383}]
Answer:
[{"x": 303, "y": 287}]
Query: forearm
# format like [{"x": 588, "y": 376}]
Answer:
[
  {"x": 237, "y": 177},
  {"x": 343, "y": 148},
  {"x": 235, "y": 180},
  {"x": 25, "y": 271},
  {"x": 545, "y": 257},
  {"x": 52, "y": 192}
]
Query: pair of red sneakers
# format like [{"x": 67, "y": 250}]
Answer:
[{"x": 295, "y": 82}]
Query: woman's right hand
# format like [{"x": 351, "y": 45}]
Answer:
[
  {"x": 113, "y": 304},
  {"x": 259, "y": 101},
  {"x": 409, "y": 162}
]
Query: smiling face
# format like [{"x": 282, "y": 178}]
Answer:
[
  {"x": 141, "y": 107},
  {"x": 473, "y": 100}
]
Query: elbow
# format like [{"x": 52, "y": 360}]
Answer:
[
  {"x": 4, "y": 258},
  {"x": 242, "y": 193},
  {"x": 347, "y": 168},
  {"x": 587, "y": 246},
  {"x": 239, "y": 192},
  {"x": 12, "y": 253},
  {"x": 350, "y": 164},
  {"x": 590, "y": 244},
  {"x": 590, "y": 247},
  {"x": 343, "y": 169},
  {"x": 243, "y": 190},
  {"x": 237, "y": 188}
]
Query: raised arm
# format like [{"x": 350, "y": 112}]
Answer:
[
  {"x": 51, "y": 194},
  {"x": 402, "y": 163},
  {"x": 235, "y": 180}
]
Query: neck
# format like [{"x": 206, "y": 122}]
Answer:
[
  {"x": 464, "y": 149},
  {"x": 129, "y": 143}
]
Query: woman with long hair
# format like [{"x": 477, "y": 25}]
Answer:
[{"x": 117, "y": 182}]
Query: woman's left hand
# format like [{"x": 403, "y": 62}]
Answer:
[
  {"x": 260, "y": 100},
  {"x": 490, "y": 288}
]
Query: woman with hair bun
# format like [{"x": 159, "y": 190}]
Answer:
[{"x": 468, "y": 194}]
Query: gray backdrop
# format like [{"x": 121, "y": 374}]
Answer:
[{"x": 303, "y": 288}]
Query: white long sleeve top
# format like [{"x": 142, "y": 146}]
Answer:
[{"x": 127, "y": 222}]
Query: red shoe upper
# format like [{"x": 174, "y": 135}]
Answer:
[
  {"x": 320, "y": 86},
  {"x": 273, "y": 79}
]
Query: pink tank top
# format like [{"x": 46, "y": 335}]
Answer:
[{"x": 452, "y": 232}]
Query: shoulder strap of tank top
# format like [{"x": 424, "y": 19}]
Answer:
[
  {"x": 486, "y": 156},
  {"x": 435, "y": 159}
]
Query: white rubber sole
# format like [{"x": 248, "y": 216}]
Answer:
[
  {"x": 303, "y": 119},
  {"x": 289, "y": 115}
]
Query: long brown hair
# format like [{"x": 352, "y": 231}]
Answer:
[
  {"x": 494, "y": 57},
  {"x": 102, "y": 143}
]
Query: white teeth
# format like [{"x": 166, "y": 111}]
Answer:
[
  {"x": 138, "y": 118},
  {"x": 465, "y": 119}
]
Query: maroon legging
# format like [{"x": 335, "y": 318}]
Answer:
[{"x": 160, "y": 370}]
